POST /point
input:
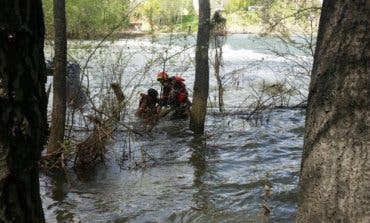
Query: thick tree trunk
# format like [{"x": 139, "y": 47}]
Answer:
[
  {"x": 23, "y": 126},
  {"x": 59, "y": 79},
  {"x": 201, "y": 84},
  {"x": 335, "y": 174}
]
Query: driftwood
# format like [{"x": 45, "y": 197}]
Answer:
[
  {"x": 155, "y": 119},
  {"x": 56, "y": 160},
  {"x": 116, "y": 110},
  {"x": 118, "y": 92},
  {"x": 91, "y": 151},
  {"x": 52, "y": 161}
]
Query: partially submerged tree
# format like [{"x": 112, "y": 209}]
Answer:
[
  {"x": 201, "y": 84},
  {"x": 334, "y": 181},
  {"x": 23, "y": 125},
  {"x": 218, "y": 39},
  {"x": 59, "y": 79}
]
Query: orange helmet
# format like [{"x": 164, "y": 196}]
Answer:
[{"x": 162, "y": 76}]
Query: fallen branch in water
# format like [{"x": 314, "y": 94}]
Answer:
[
  {"x": 163, "y": 113},
  {"x": 92, "y": 150},
  {"x": 57, "y": 160}
]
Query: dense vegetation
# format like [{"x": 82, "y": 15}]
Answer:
[
  {"x": 96, "y": 18},
  {"x": 89, "y": 18}
]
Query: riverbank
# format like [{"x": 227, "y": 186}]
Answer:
[
  {"x": 131, "y": 34},
  {"x": 234, "y": 29}
]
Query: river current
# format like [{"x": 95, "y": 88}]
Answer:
[{"x": 240, "y": 171}]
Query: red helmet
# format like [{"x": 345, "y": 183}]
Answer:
[{"x": 162, "y": 76}]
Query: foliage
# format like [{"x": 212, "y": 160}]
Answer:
[
  {"x": 237, "y": 11},
  {"x": 96, "y": 18},
  {"x": 239, "y": 5},
  {"x": 167, "y": 13},
  {"x": 89, "y": 18},
  {"x": 47, "y": 6},
  {"x": 285, "y": 17},
  {"x": 275, "y": 16},
  {"x": 244, "y": 18}
]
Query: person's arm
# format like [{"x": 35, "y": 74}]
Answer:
[{"x": 142, "y": 105}]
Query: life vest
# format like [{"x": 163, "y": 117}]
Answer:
[
  {"x": 174, "y": 92},
  {"x": 179, "y": 86},
  {"x": 182, "y": 97},
  {"x": 180, "y": 79}
]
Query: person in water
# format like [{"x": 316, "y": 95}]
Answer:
[
  {"x": 174, "y": 95},
  {"x": 148, "y": 106}
]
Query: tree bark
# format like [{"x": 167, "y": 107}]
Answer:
[
  {"x": 335, "y": 173},
  {"x": 218, "y": 58},
  {"x": 201, "y": 84},
  {"x": 59, "y": 79},
  {"x": 23, "y": 124}
]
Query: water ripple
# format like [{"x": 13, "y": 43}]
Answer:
[{"x": 225, "y": 179}]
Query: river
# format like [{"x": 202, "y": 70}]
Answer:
[{"x": 240, "y": 171}]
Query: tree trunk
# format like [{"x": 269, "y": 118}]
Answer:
[
  {"x": 218, "y": 58},
  {"x": 23, "y": 124},
  {"x": 201, "y": 84},
  {"x": 335, "y": 175},
  {"x": 59, "y": 79}
]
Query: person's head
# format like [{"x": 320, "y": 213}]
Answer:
[
  {"x": 162, "y": 77},
  {"x": 152, "y": 93}
]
